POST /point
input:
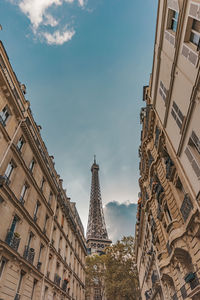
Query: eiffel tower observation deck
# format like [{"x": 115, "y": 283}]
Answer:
[{"x": 97, "y": 236}]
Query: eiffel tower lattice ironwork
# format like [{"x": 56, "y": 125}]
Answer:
[{"x": 97, "y": 236}]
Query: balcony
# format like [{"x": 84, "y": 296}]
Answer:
[
  {"x": 4, "y": 180},
  {"x": 29, "y": 254},
  {"x": 13, "y": 240},
  {"x": 64, "y": 285},
  {"x": 192, "y": 279},
  {"x": 186, "y": 207},
  {"x": 57, "y": 279}
]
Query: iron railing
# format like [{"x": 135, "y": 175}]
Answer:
[
  {"x": 12, "y": 240},
  {"x": 29, "y": 254},
  {"x": 57, "y": 279}
]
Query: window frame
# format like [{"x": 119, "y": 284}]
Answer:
[
  {"x": 32, "y": 165},
  {"x": 20, "y": 143},
  {"x": 3, "y": 263},
  {"x": 13, "y": 166},
  {"x": 172, "y": 18},
  {"x": 3, "y": 113}
]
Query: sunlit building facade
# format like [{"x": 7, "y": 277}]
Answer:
[
  {"x": 168, "y": 220},
  {"x": 42, "y": 244}
]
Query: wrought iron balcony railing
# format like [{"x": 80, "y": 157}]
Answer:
[
  {"x": 192, "y": 279},
  {"x": 4, "y": 180},
  {"x": 64, "y": 285},
  {"x": 29, "y": 254},
  {"x": 13, "y": 240},
  {"x": 57, "y": 279}
]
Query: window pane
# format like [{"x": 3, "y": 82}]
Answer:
[
  {"x": 196, "y": 25},
  {"x": 9, "y": 169},
  {"x": 174, "y": 25},
  {"x": 194, "y": 38},
  {"x": 2, "y": 265}
]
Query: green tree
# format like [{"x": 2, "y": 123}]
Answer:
[
  {"x": 121, "y": 280},
  {"x": 95, "y": 275},
  {"x": 114, "y": 274}
]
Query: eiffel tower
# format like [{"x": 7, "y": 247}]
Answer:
[{"x": 97, "y": 236}]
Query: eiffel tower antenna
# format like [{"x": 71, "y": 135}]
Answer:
[{"x": 97, "y": 236}]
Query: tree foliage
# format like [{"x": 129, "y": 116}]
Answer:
[
  {"x": 115, "y": 272},
  {"x": 95, "y": 274},
  {"x": 121, "y": 273}
]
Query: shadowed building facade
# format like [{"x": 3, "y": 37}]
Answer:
[
  {"x": 42, "y": 244},
  {"x": 97, "y": 236},
  {"x": 168, "y": 220}
]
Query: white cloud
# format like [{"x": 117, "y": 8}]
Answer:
[
  {"x": 38, "y": 13},
  {"x": 81, "y": 2},
  {"x": 58, "y": 38}
]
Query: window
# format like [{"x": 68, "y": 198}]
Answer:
[
  {"x": 192, "y": 152},
  {"x": 172, "y": 20},
  {"x": 23, "y": 193},
  {"x": 4, "y": 115},
  {"x": 41, "y": 247},
  {"x": 163, "y": 91},
  {"x": 36, "y": 210},
  {"x": 45, "y": 223},
  {"x": 33, "y": 289},
  {"x": 50, "y": 198},
  {"x": 9, "y": 169},
  {"x": 20, "y": 143},
  {"x": 2, "y": 265},
  {"x": 42, "y": 183},
  {"x": 22, "y": 273},
  {"x": 32, "y": 164},
  {"x": 195, "y": 33},
  {"x": 177, "y": 115}
]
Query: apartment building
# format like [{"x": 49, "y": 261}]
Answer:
[
  {"x": 42, "y": 244},
  {"x": 168, "y": 219}
]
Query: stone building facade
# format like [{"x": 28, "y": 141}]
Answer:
[
  {"x": 168, "y": 219},
  {"x": 42, "y": 244}
]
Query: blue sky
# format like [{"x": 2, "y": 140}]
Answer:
[{"x": 84, "y": 65}]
